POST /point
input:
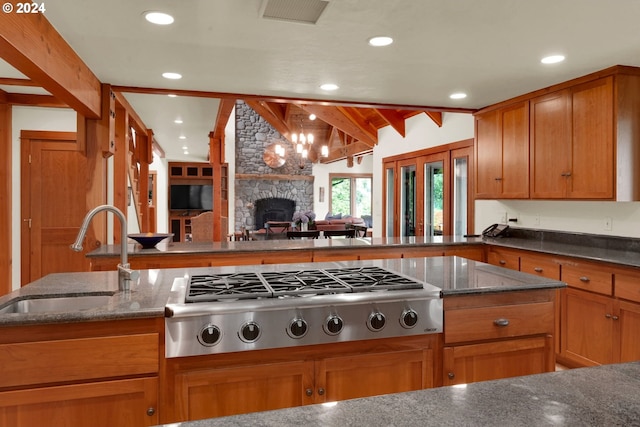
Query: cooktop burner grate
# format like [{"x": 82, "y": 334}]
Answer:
[
  {"x": 213, "y": 287},
  {"x": 295, "y": 283}
]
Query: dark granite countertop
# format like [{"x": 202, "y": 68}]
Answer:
[
  {"x": 599, "y": 396},
  {"x": 173, "y": 248},
  {"x": 150, "y": 293},
  {"x": 616, "y": 250}
]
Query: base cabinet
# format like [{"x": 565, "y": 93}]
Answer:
[
  {"x": 228, "y": 384},
  {"x": 489, "y": 361},
  {"x": 123, "y": 403}
]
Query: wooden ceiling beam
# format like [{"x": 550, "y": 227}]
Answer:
[
  {"x": 8, "y": 81},
  {"x": 337, "y": 118},
  {"x": 436, "y": 116},
  {"x": 35, "y": 100},
  {"x": 274, "y": 119},
  {"x": 357, "y": 118},
  {"x": 225, "y": 108},
  {"x": 355, "y": 149},
  {"x": 33, "y": 46},
  {"x": 395, "y": 119},
  {"x": 3, "y": 97}
]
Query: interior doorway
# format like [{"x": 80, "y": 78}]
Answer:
[{"x": 52, "y": 203}]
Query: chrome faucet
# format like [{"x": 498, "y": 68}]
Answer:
[{"x": 125, "y": 274}]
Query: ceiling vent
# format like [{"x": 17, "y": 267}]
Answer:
[{"x": 303, "y": 11}]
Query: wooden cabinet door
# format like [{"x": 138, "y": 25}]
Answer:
[
  {"x": 629, "y": 325},
  {"x": 209, "y": 393},
  {"x": 348, "y": 377},
  {"x": 488, "y": 155},
  {"x": 111, "y": 403},
  {"x": 592, "y": 169},
  {"x": 540, "y": 265},
  {"x": 503, "y": 258},
  {"x": 501, "y": 359},
  {"x": 502, "y": 153},
  {"x": 587, "y": 328},
  {"x": 550, "y": 145}
]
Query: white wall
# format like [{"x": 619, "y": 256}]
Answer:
[
  {"x": 30, "y": 118},
  {"x": 162, "y": 199},
  {"x": 421, "y": 132}
]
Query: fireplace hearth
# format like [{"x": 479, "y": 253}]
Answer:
[{"x": 273, "y": 209}]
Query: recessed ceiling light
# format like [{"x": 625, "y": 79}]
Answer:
[
  {"x": 186, "y": 152},
  {"x": 178, "y": 121},
  {"x": 158, "y": 18},
  {"x": 552, "y": 59},
  {"x": 329, "y": 86},
  {"x": 379, "y": 41},
  {"x": 172, "y": 95},
  {"x": 184, "y": 147},
  {"x": 182, "y": 137},
  {"x": 458, "y": 95},
  {"x": 312, "y": 116},
  {"x": 172, "y": 76}
]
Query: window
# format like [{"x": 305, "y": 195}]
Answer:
[{"x": 350, "y": 194}]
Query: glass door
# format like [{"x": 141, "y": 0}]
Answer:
[
  {"x": 434, "y": 207},
  {"x": 462, "y": 205},
  {"x": 389, "y": 199},
  {"x": 408, "y": 198}
]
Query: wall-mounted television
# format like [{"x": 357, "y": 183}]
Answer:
[{"x": 191, "y": 197}]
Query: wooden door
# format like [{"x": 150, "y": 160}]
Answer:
[
  {"x": 501, "y": 359},
  {"x": 53, "y": 203},
  {"x": 515, "y": 151},
  {"x": 587, "y": 328},
  {"x": 132, "y": 402},
  {"x": 629, "y": 325},
  {"x": 349, "y": 377},
  {"x": 550, "y": 145},
  {"x": 211, "y": 393},
  {"x": 592, "y": 169}
]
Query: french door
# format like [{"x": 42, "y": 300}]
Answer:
[{"x": 428, "y": 194}]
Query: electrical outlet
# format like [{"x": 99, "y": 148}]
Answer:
[
  {"x": 608, "y": 223},
  {"x": 536, "y": 220},
  {"x": 503, "y": 217}
]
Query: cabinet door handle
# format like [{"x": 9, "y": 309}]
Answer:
[
  {"x": 498, "y": 179},
  {"x": 502, "y": 262},
  {"x": 538, "y": 269},
  {"x": 151, "y": 411},
  {"x": 451, "y": 375},
  {"x": 584, "y": 279},
  {"x": 501, "y": 322},
  {"x": 615, "y": 317},
  {"x": 321, "y": 391},
  {"x": 608, "y": 316},
  {"x": 308, "y": 392},
  {"x": 567, "y": 174}
]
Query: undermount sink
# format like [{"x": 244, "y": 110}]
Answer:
[{"x": 53, "y": 304}]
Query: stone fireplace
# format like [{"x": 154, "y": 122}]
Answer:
[
  {"x": 273, "y": 209},
  {"x": 255, "y": 181}
]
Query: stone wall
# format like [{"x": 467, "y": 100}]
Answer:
[{"x": 253, "y": 134}]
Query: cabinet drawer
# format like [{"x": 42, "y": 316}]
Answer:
[
  {"x": 540, "y": 266},
  {"x": 588, "y": 277},
  {"x": 628, "y": 286},
  {"x": 505, "y": 321},
  {"x": 503, "y": 258},
  {"x": 71, "y": 360}
]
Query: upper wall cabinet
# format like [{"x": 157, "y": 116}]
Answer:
[
  {"x": 502, "y": 153},
  {"x": 572, "y": 148},
  {"x": 581, "y": 141}
]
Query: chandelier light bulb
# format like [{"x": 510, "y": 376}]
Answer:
[
  {"x": 325, "y": 151},
  {"x": 294, "y": 138},
  {"x": 303, "y": 139},
  {"x": 299, "y": 148},
  {"x": 305, "y": 153},
  {"x": 310, "y": 138}
]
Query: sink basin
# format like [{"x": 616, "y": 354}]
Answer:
[{"x": 55, "y": 304}]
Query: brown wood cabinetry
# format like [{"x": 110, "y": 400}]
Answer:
[
  {"x": 502, "y": 153},
  {"x": 572, "y": 150},
  {"x": 578, "y": 142},
  {"x": 598, "y": 314},
  {"x": 182, "y": 174},
  {"x": 217, "y": 385},
  {"x": 96, "y": 373},
  {"x": 493, "y": 336}
]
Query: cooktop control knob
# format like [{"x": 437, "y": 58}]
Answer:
[
  {"x": 250, "y": 332},
  {"x": 210, "y": 335},
  {"x": 409, "y": 318},
  {"x": 376, "y": 321},
  {"x": 297, "y": 328},
  {"x": 333, "y": 325}
]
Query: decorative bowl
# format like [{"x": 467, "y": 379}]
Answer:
[{"x": 149, "y": 240}]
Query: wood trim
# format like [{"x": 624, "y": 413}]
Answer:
[
  {"x": 8, "y": 81},
  {"x": 275, "y": 177},
  {"x": 6, "y": 230},
  {"x": 286, "y": 99},
  {"x": 48, "y": 135},
  {"x": 134, "y": 120},
  {"x": 35, "y": 100},
  {"x": 33, "y": 46}
]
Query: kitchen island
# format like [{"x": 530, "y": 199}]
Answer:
[
  {"x": 110, "y": 358},
  {"x": 169, "y": 254},
  {"x": 585, "y": 397}
]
